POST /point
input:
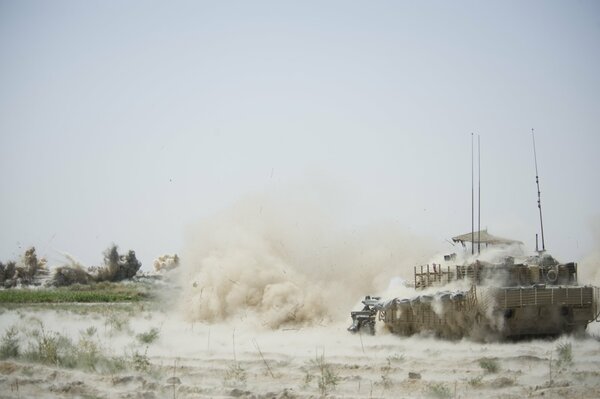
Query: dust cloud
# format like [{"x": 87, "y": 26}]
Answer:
[
  {"x": 588, "y": 270},
  {"x": 279, "y": 261}
]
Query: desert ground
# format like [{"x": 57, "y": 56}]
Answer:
[{"x": 140, "y": 350}]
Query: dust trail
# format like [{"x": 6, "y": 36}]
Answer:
[
  {"x": 588, "y": 271},
  {"x": 589, "y": 268},
  {"x": 282, "y": 260}
]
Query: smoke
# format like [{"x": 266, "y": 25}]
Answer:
[
  {"x": 166, "y": 263},
  {"x": 282, "y": 260}
]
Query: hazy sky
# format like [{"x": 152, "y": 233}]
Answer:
[{"x": 128, "y": 121}]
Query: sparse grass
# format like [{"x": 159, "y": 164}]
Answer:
[
  {"x": 565, "y": 355},
  {"x": 502, "y": 382},
  {"x": 117, "y": 322},
  {"x": 235, "y": 375},
  {"x": 112, "y": 365},
  {"x": 140, "y": 361},
  {"x": 327, "y": 379},
  {"x": 438, "y": 390},
  {"x": 308, "y": 377},
  {"x": 475, "y": 382},
  {"x": 90, "y": 331},
  {"x": 148, "y": 337},
  {"x": 49, "y": 347},
  {"x": 395, "y": 358},
  {"x": 386, "y": 381},
  {"x": 89, "y": 355},
  {"x": 53, "y": 348},
  {"x": 489, "y": 365}
]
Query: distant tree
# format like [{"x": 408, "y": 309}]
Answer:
[
  {"x": 30, "y": 262},
  {"x": 10, "y": 271},
  {"x": 118, "y": 267},
  {"x": 70, "y": 274}
]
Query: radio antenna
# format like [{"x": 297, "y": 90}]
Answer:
[
  {"x": 539, "y": 201},
  {"x": 479, "y": 196},
  {"x": 472, "y": 202}
]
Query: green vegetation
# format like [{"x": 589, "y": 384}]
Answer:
[
  {"x": 52, "y": 348},
  {"x": 438, "y": 390},
  {"x": 76, "y": 293},
  {"x": 25, "y": 272},
  {"x": 308, "y": 377},
  {"x": 9, "y": 344},
  {"x": 117, "y": 322},
  {"x": 489, "y": 365},
  {"x": 140, "y": 361},
  {"x": 327, "y": 379},
  {"x": 395, "y": 358},
  {"x": 476, "y": 382},
  {"x": 565, "y": 355},
  {"x": 31, "y": 271},
  {"x": 148, "y": 337}
]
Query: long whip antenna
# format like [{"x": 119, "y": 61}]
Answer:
[
  {"x": 479, "y": 196},
  {"x": 472, "y": 203},
  {"x": 537, "y": 182}
]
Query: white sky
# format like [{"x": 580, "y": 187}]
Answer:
[{"x": 126, "y": 121}]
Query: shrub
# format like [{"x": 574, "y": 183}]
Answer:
[
  {"x": 438, "y": 390},
  {"x": 489, "y": 365},
  {"x": 88, "y": 354},
  {"x": 90, "y": 331},
  {"x": 476, "y": 381},
  {"x": 69, "y": 275},
  {"x": 308, "y": 377},
  {"x": 140, "y": 361},
  {"x": 149, "y": 336},
  {"x": 117, "y": 322},
  {"x": 112, "y": 365},
  {"x": 9, "y": 346},
  {"x": 395, "y": 358},
  {"x": 327, "y": 379},
  {"x": 50, "y": 347}
]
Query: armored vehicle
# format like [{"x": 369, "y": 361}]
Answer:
[{"x": 510, "y": 299}]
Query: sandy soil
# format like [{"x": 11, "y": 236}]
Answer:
[{"x": 243, "y": 359}]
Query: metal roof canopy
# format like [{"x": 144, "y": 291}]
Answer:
[{"x": 484, "y": 238}]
